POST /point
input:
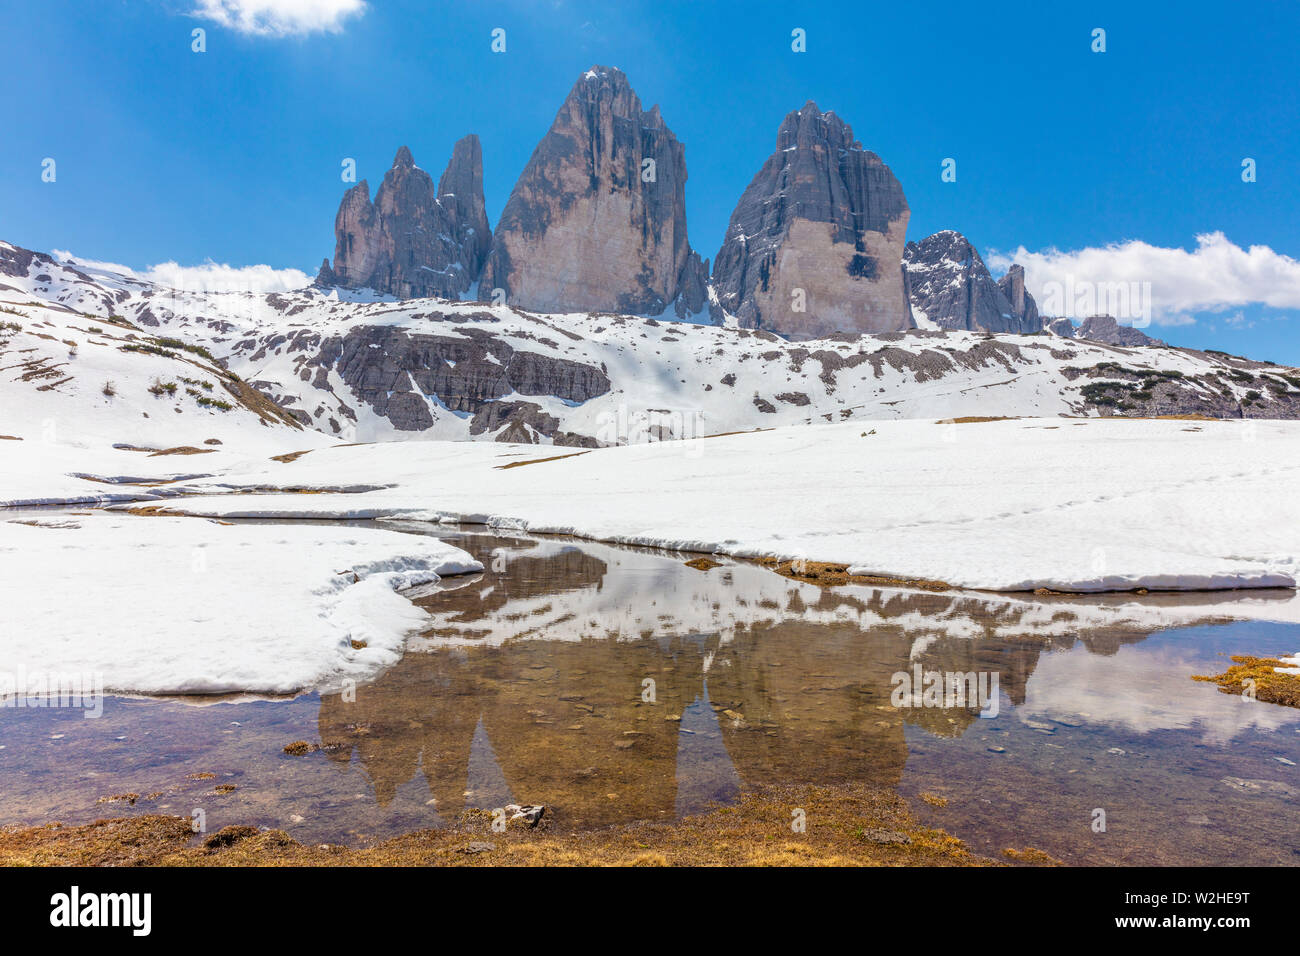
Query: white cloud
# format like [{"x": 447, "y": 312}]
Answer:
[
  {"x": 279, "y": 18},
  {"x": 1144, "y": 688},
  {"x": 208, "y": 277},
  {"x": 1216, "y": 275}
]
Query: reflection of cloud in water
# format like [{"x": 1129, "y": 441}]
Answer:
[
  {"x": 604, "y": 591},
  {"x": 1144, "y": 688}
]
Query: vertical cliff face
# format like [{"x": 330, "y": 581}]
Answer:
[
  {"x": 814, "y": 245},
  {"x": 597, "y": 220},
  {"x": 949, "y": 287},
  {"x": 460, "y": 192},
  {"x": 1024, "y": 311},
  {"x": 415, "y": 239}
]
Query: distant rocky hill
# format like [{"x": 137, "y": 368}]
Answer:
[
  {"x": 360, "y": 369},
  {"x": 1104, "y": 328}
]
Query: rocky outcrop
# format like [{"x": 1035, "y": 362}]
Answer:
[
  {"x": 949, "y": 287},
  {"x": 1105, "y": 328},
  {"x": 1023, "y": 308},
  {"x": 814, "y": 244},
  {"x": 414, "y": 240},
  {"x": 460, "y": 192},
  {"x": 1101, "y": 328},
  {"x": 325, "y": 276},
  {"x": 524, "y": 422},
  {"x": 16, "y": 261},
  {"x": 597, "y": 220},
  {"x": 1061, "y": 326},
  {"x": 400, "y": 374}
]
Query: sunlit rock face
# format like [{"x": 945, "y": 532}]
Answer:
[
  {"x": 597, "y": 219},
  {"x": 415, "y": 239},
  {"x": 814, "y": 245}
]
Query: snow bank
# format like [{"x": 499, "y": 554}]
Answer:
[
  {"x": 181, "y": 605},
  {"x": 1080, "y": 505}
]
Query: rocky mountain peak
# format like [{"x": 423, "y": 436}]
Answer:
[
  {"x": 814, "y": 244},
  {"x": 412, "y": 241},
  {"x": 1106, "y": 328},
  {"x": 810, "y": 126},
  {"x": 597, "y": 219},
  {"x": 460, "y": 191},
  {"x": 325, "y": 275},
  {"x": 950, "y": 287}
]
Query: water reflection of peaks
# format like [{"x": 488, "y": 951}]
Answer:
[{"x": 547, "y": 656}]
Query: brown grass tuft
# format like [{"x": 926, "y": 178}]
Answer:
[
  {"x": 290, "y": 456},
  {"x": 829, "y": 574},
  {"x": 703, "y": 564},
  {"x": 1031, "y": 855},
  {"x": 1269, "y": 686},
  {"x": 183, "y": 450},
  {"x": 538, "y": 461}
]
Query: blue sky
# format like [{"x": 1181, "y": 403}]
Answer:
[{"x": 233, "y": 154}]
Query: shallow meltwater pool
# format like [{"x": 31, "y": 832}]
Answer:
[{"x": 616, "y": 685}]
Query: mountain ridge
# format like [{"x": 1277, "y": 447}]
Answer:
[{"x": 362, "y": 369}]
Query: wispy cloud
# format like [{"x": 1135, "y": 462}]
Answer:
[
  {"x": 208, "y": 277},
  {"x": 1215, "y": 276},
  {"x": 278, "y": 18}
]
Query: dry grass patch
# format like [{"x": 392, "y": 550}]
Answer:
[
  {"x": 1032, "y": 856},
  {"x": 829, "y": 574},
  {"x": 133, "y": 841},
  {"x": 1268, "y": 685},
  {"x": 703, "y": 564},
  {"x": 290, "y": 456},
  {"x": 846, "y": 825},
  {"x": 129, "y": 798},
  {"x": 740, "y": 432},
  {"x": 183, "y": 450},
  {"x": 154, "y": 511},
  {"x": 538, "y": 461},
  {"x": 1187, "y": 417}
]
